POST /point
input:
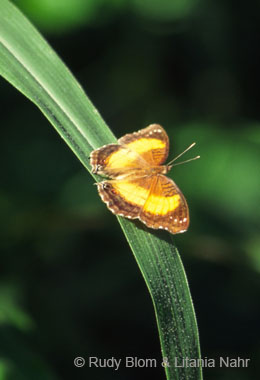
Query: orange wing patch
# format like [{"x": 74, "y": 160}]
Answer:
[
  {"x": 138, "y": 188},
  {"x": 152, "y": 143}
]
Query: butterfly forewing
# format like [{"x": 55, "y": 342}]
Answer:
[
  {"x": 152, "y": 143},
  {"x": 166, "y": 207}
]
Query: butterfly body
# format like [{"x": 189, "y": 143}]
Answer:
[{"x": 137, "y": 187}]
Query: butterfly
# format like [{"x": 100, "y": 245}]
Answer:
[{"x": 137, "y": 187}]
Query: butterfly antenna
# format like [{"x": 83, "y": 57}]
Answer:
[
  {"x": 186, "y": 150},
  {"x": 184, "y": 162}
]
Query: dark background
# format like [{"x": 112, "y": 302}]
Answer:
[{"x": 69, "y": 285}]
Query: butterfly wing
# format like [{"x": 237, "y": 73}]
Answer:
[
  {"x": 133, "y": 154},
  {"x": 155, "y": 200},
  {"x": 135, "y": 191},
  {"x": 151, "y": 143},
  {"x": 125, "y": 197},
  {"x": 116, "y": 161},
  {"x": 165, "y": 207}
]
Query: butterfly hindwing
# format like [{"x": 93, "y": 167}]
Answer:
[
  {"x": 114, "y": 160},
  {"x": 125, "y": 197}
]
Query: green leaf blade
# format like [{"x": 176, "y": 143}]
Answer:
[
  {"x": 30, "y": 65},
  {"x": 163, "y": 272}
]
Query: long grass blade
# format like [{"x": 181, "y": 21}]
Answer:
[{"x": 30, "y": 65}]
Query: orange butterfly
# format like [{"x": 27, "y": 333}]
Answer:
[{"x": 138, "y": 187}]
